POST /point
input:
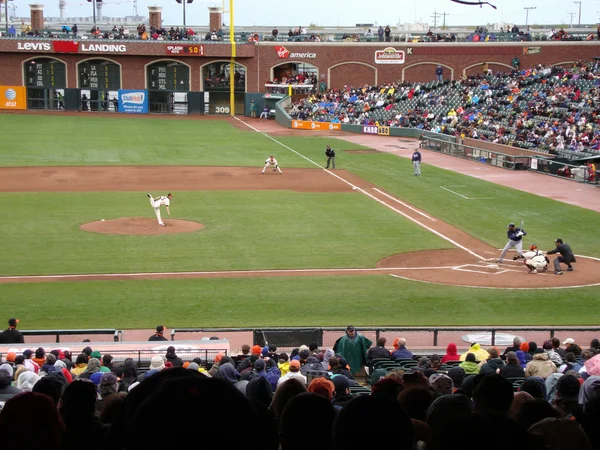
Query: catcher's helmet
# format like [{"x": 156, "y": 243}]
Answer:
[{"x": 533, "y": 247}]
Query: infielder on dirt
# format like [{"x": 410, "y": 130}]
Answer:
[
  {"x": 515, "y": 240},
  {"x": 536, "y": 260},
  {"x": 157, "y": 203},
  {"x": 271, "y": 161}
]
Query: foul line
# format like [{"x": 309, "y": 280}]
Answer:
[
  {"x": 213, "y": 272},
  {"x": 455, "y": 193},
  {"x": 497, "y": 288},
  {"x": 365, "y": 192},
  {"x": 405, "y": 205}
]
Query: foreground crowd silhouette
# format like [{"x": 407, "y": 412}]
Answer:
[
  {"x": 527, "y": 397},
  {"x": 552, "y": 109}
]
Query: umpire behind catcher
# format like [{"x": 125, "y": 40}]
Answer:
[
  {"x": 330, "y": 153},
  {"x": 566, "y": 256}
]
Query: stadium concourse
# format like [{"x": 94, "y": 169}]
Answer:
[{"x": 541, "y": 396}]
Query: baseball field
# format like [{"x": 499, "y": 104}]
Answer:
[{"x": 368, "y": 243}]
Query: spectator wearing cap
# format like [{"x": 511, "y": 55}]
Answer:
[
  {"x": 107, "y": 364},
  {"x": 271, "y": 374},
  {"x": 310, "y": 363},
  {"x": 451, "y": 353},
  {"x": 525, "y": 349},
  {"x": 402, "y": 352},
  {"x": 342, "y": 391},
  {"x": 540, "y": 366},
  {"x": 353, "y": 347},
  {"x": 293, "y": 373},
  {"x": 378, "y": 351},
  {"x": 172, "y": 357},
  {"x": 158, "y": 335},
  {"x": 442, "y": 384},
  {"x": 11, "y": 335},
  {"x": 567, "y": 396},
  {"x": 323, "y": 387},
  {"x": 109, "y": 385},
  {"x": 338, "y": 365},
  {"x": 10, "y": 358},
  {"x": 48, "y": 366},
  {"x": 513, "y": 368}
]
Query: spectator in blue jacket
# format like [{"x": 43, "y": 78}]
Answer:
[{"x": 402, "y": 352}]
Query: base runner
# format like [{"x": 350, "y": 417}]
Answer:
[
  {"x": 536, "y": 260},
  {"x": 157, "y": 203},
  {"x": 271, "y": 161}
]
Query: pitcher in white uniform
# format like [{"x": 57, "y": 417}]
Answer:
[{"x": 157, "y": 203}]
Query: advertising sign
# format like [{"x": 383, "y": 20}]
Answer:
[
  {"x": 389, "y": 55},
  {"x": 133, "y": 101},
  {"x": 306, "y": 125},
  {"x": 374, "y": 129},
  {"x": 284, "y": 53},
  {"x": 13, "y": 97},
  {"x": 532, "y": 50}
]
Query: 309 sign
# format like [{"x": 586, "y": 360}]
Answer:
[{"x": 222, "y": 110}]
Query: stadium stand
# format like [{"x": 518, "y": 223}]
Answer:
[
  {"x": 547, "y": 109},
  {"x": 428, "y": 402}
]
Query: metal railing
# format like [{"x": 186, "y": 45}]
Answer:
[
  {"x": 505, "y": 161},
  {"x": 81, "y": 335},
  {"x": 423, "y": 337}
]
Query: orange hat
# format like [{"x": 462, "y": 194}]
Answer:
[
  {"x": 295, "y": 363},
  {"x": 10, "y": 356},
  {"x": 256, "y": 350},
  {"x": 322, "y": 386},
  {"x": 219, "y": 357},
  {"x": 524, "y": 346}
]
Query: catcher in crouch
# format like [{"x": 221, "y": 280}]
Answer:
[{"x": 536, "y": 260}]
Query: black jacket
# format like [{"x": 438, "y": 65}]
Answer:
[
  {"x": 330, "y": 153},
  {"x": 565, "y": 251},
  {"x": 157, "y": 337},
  {"x": 11, "y": 336},
  {"x": 512, "y": 371},
  {"x": 378, "y": 353}
]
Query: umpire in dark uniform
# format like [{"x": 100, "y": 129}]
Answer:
[
  {"x": 566, "y": 256},
  {"x": 11, "y": 335},
  {"x": 330, "y": 153}
]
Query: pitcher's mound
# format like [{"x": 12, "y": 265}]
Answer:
[{"x": 142, "y": 226}]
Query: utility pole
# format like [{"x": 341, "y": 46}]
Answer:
[
  {"x": 527, "y": 8},
  {"x": 435, "y": 17},
  {"x": 571, "y": 16},
  {"x": 444, "y": 24},
  {"x": 579, "y": 6}
]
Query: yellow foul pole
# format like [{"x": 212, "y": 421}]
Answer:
[{"x": 232, "y": 64}]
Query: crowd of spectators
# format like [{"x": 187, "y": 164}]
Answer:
[
  {"x": 69, "y": 401},
  {"x": 547, "y": 108}
]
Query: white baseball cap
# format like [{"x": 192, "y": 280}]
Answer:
[{"x": 568, "y": 341}]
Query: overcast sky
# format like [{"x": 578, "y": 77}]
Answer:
[{"x": 286, "y": 13}]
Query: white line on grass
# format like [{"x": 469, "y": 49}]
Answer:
[
  {"x": 366, "y": 193},
  {"x": 455, "y": 193},
  {"x": 497, "y": 288},
  {"x": 404, "y": 204},
  {"x": 213, "y": 272}
]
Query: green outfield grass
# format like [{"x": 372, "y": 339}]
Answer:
[
  {"x": 244, "y": 230},
  {"x": 377, "y": 300},
  {"x": 260, "y": 230}
]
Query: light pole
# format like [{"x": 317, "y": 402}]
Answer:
[
  {"x": 527, "y": 8},
  {"x": 578, "y": 6},
  {"x": 184, "y": 2}
]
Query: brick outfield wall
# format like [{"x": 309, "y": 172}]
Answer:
[{"x": 338, "y": 63}]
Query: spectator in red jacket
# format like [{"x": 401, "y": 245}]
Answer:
[{"x": 451, "y": 353}]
